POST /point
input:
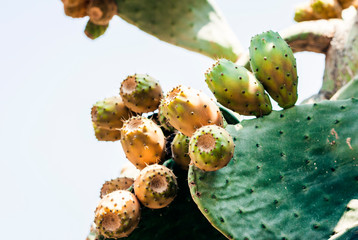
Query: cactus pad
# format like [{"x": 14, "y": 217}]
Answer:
[{"x": 292, "y": 175}]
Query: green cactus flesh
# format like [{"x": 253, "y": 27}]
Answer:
[
  {"x": 349, "y": 90},
  {"x": 291, "y": 177},
  {"x": 274, "y": 65},
  {"x": 194, "y": 25},
  {"x": 180, "y": 220},
  {"x": 236, "y": 88},
  {"x": 94, "y": 31}
]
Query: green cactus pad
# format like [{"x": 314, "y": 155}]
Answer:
[
  {"x": 236, "y": 88},
  {"x": 180, "y": 220},
  {"x": 274, "y": 65},
  {"x": 292, "y": 175},
  {"x": 347, "y": 91},
  {"x": 194, "y": 25}
]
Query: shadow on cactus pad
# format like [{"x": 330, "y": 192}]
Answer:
[
  {"x": 180, "y": 220},
  {"x": 292, "y": 175}
]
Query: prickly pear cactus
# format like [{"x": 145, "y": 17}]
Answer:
[{"x": 283, "y": 183}]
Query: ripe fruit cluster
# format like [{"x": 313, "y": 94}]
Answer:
[{"x": 145, "y": 121}]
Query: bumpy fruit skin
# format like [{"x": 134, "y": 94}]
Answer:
[
  {"x": 274, "y": 65},
  {"x": 94, "y": 31},
  {"x": 156, "y": 186},
  {"x": 141, "y": 93},
  {"x": 110, "y": 113},
  {"x": 188, "y": 109},
  {"x": 75, "y": 8},
  {"x": 117, "y": 214},
  {"x": 237, "y": 89},
  {"x": 103, "y": 134},
  {"x": 211, "y": 148},
  {"x": 101, "y": 11},
  {"x": 180, "y": 150},
  {"x": 143, "y": 141},
  {"x": 120, "y": 183}
]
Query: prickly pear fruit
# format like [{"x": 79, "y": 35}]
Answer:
[
  {"x": 304, "y": 12},
  {"x": 156, "y": 186},
  {"x": 110, "y": 113},
  {"x": 143, "y": 141},
  {"x": 120, "y": 183},
  {"x": 101, "y": 11},
  {"x": 94, "y": 31},
  {"x": 75, "y": 8},
  {"x": 180, "y": 150},
  {"x": 117, "y": 214},
  {"x": 237, "y": 89},
  {"x": 326, "y": 9},
  {"x": 188, "y": 109},
  {"x": 163, "y": 121},
  {"x": 274, "y": 65},
  {"x": 103, "y": 134},
  {"x": 211, "y": 148},
  {"x": 141, "y": 93}
]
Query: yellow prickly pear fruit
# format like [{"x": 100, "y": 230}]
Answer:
[
  {"x": 101, "y": 11},
  {"x": 120, "y": 183},
  {"x": 103, "y": 134},
  {"x": 304, "y": 12},
  {"x": 141, "y": 93},
  {"x": 156, "y": 186},
  {"x": 110, "y": 113},
  {"x": 188, "y": 109},
  {"x": 117, "y": 214},
  {"x": 326, "y": 9},
  {"x": 143, "y": 141}
]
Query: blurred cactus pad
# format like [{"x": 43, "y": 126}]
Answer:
[{"x": 292, "y": 175}]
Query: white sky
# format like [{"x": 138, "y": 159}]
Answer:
[{"x": 51, "y": 165}]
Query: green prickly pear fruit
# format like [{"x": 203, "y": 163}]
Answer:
[
  {"x": 274, "y": 65},
  {"x": 211, "y": 148},
  {"x": 94, "y": 31},
  {"x": 180, "y": 150},
  {"x": 117, "y": 214},
  {"x": 141, "y": 93},
  {"x": 103, "y": 134},
  {"x": 143, "y": 141},
  {"x": 188, "y": 109},
  {"x": 110, "y": 113},
  {"x": 156, "y": 186},
  {"x": 101, "y": 11},
  {"x": 120, "y": 183},
  {"x": 163, "y": 121},
  {"x": 237, "y": 88}
]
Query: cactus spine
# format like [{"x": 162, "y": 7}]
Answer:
[
  {"x": 180, "y": 150},
  {"x": 274, "y": 65},
  {"x": 156, "y": 186},
  {"x": 211, "y": 148},
  {"x": 141, "y": 93},
  {"x": 188, "y": 109},
  {"x": 143, "y": 141},
  {"x": 117, "y": 214},
  {"x": 238, "y": 89}
]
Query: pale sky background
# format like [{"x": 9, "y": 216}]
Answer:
[{"x": 51, "y": 165}]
